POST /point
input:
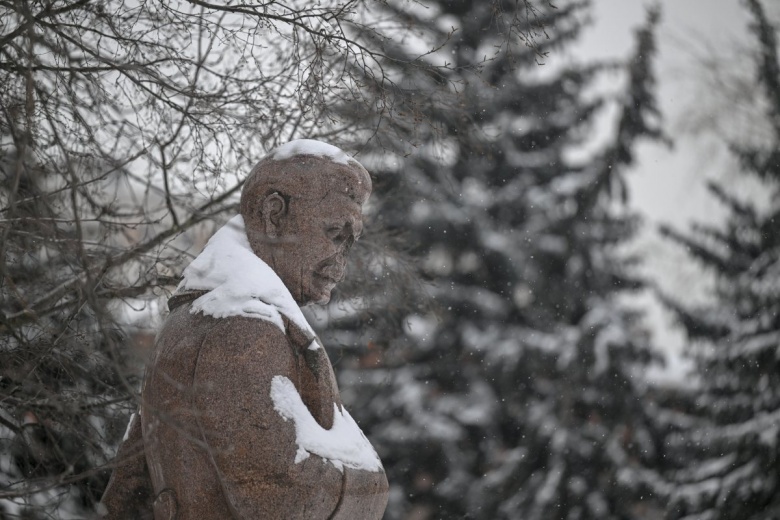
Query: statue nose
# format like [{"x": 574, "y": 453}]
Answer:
[{"x": 339, "y": 272}]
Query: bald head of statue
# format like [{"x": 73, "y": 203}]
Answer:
[{"x": 302, "y": 208}]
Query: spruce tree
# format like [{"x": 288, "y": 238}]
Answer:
[
  {"x": 521, "y": 395},
  {"x": 124, "y": 126},
  {"x": 727, "y": 459}
]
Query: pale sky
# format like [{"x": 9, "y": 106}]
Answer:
[{"x": 668, "y": 185}]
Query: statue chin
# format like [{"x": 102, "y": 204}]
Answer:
[
  {"x": 322, "y": 299},
  {"x": 319, "y": 292}
]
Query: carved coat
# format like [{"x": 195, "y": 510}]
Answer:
[{"x": 217, "y": 447}]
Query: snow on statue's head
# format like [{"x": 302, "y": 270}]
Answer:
[{"x": 301, "y": 205}]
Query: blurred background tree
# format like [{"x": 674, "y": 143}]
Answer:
[
  {"x": 723, "y": 454},
  {"x": 520, "y": 394}
]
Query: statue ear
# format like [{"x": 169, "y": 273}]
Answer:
[{"x": 274, "y": 208}]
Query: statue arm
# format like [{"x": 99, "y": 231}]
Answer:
[
  {"x": 129, "y": 492},
  {"x": 251, "y": 446}
]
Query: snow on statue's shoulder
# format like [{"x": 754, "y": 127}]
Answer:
[
  {"x": 238, "y": 282},
  {"x": 310, "y": 147},
  {"x": 343, "y": 445}
]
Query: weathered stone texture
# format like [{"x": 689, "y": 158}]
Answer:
[{"x": 215, "y": 447}]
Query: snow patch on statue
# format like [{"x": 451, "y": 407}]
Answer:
[
  {"x": 238, "y": 281},
  {"x": 310, "y": 147},
  {"x": 129, "y": 427},
  {"x": 343, "y": 445}
]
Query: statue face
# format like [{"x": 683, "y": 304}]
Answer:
[
  {"x": 310, "y": 255},
  {"x": 302, "y": 215}
]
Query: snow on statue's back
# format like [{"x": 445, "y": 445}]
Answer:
[{"x": 241, "y": 415}]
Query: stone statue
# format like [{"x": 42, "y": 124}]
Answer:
[{"x": 240, "y": 412}]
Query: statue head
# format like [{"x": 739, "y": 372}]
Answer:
[{"x": 302, "y": 205}]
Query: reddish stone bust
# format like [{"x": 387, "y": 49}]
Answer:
[
  {"x": 302, "y": 215},
  {"x": 241, "y": 415}
]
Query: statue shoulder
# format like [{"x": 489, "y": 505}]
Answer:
[
  {"x": 238, "y": 344},
  {"x": 240, "y": 332}
]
